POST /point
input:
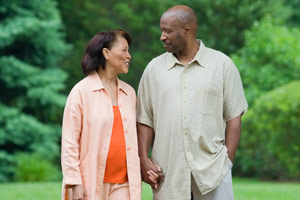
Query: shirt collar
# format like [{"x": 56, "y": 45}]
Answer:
[
  {"x": 199, "y": 57},
  {"x": 95, "y": 83}
]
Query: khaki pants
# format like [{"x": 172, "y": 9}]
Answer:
[{"x": 223, "y": 192}]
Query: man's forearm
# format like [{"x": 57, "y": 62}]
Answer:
[
  {"x": 145, "y": 140},
  {"x": 151, "y": 173},
  {"x": 232, "y": 136}
]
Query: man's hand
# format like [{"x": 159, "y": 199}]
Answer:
[
  {"x": 76, "y": 192},
  {"x": 151, "y": 173}
]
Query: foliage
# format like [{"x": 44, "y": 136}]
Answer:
[
  {"x": 270, "y": 57},
  {"x": 294, "y": 19},
  {"x": 6, "y": 165},
  {"x": 33, "y": 167},
  {"x": 140, "y": 18},
  {"x": 269, "y": 147},
  {"x": 221, "y": 24},
  {"x": 31, "y": 102}
]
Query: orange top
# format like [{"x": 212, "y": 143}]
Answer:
[{"x": 116, "y": 168}]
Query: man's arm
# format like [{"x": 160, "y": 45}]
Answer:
[
  {"x": 232, "y": 136},
  {"x": 145, "y": 140}
]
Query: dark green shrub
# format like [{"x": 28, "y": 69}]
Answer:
[{"x": 270, "y": 142}]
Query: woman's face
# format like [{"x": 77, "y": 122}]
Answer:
[{"x": 119, "y": 56}]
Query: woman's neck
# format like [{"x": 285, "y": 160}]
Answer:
[
  {"x": 107, "y": 77},
  {"x": 109, "y": 81}
]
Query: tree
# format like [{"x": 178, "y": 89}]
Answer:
[
  {"x": 222, "y": 23},
  {"x": 270, "y": 57},
  {"x": 31, "y": 102},
  {"x": 221, "y": 26},
  {"x": 140, "y": 18}
]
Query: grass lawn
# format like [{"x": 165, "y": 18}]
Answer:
[{"x": 244, "y": 189}]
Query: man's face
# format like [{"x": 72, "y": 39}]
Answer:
[{"x": 171, "y": 34}]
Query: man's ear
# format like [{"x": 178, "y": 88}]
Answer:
[
  {"x": 105, "y": 52},
  {"x": 187, "y": 30}
]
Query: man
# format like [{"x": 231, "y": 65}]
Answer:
[{"x": 190, "y": 102}]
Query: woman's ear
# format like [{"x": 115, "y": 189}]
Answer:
[{"x": 105, "y": 52}]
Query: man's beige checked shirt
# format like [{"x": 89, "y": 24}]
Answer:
[{"x": 188, "y": 108}]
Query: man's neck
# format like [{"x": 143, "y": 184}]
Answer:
[{"x": 188, "y": 54}]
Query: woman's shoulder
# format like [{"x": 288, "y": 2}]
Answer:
[{"x": 80, "y": 87}]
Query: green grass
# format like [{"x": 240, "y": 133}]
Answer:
[
  {"x": 255, "y": 190},
  {"x": 244, "y": 189}
]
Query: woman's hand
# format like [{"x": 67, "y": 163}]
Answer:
[
  {"x": 76, "y": 192},
  {"x": 155, "y": 175}
]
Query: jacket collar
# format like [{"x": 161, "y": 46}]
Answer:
[{"x": 95, "y": 83}]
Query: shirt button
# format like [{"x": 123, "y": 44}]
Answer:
[
  {"x": 120, "y": 105},
  {"x": 124, "y": 119},
  {"x": 126, "y": 131},
  {"x": 128, "y": 149},
  {"x": 187, "y": 150}
]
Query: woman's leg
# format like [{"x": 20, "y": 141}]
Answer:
[{"x": 119, "y": 191}]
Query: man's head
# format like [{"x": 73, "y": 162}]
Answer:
[{"x": 179, "y": 26}]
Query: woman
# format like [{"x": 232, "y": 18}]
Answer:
[{"x": 99, "y": 140}]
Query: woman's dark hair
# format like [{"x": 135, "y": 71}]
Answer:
[{"x": 93, "y": 57}]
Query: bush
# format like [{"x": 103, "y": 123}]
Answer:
[
  {"x": 7, "y": 162},
  {"x": 269, "y": 146},
  {"x": 33, "y": 167}
]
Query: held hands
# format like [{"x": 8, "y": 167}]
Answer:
[
  {"x": 152, "y": 173},
  {"x": 76, "y": 192}
]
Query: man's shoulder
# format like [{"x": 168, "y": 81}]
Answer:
[
  {"x": 217, "y": 55},
  {"x": 159, "y": 60},
  {"x": 219, "y": 58}
]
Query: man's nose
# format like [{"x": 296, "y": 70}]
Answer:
[{"x": 163, "y": 36}]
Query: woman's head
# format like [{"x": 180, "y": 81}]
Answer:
[{"x": 96, "y": 52}]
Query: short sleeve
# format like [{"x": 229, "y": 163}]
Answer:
[
  {"x": 234, "y": 103},
  {"x": 144, "y": 102}
]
